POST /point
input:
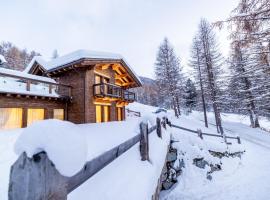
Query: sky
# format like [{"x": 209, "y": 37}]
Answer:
[{"x": 133, "y": 28}]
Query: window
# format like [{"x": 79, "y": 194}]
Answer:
[
  {"x": 98, "y": 114},
  {"x": 102, "y": 113},
  {"x": 120, "y": 116},
  {"x": 58, "y": 114},
  {"x": 10, "y": 118},
  {"x": 34, "y": 115},
  {"x": 106, "y": 113},
  {"x": 101, "y": 79}
]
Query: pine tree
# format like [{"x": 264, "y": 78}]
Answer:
[
  {"x": 190, "y": 95},
  {"x": 168, "y": 76}
]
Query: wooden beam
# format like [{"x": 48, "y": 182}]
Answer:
[
  {"x": 120, "y": 76},
  {"x": 106, "y": 66},
  {"x": 128, "y": 84}
]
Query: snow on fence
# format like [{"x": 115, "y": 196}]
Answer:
[
  {"x": 200, "y": 134},
  {"x": 37, "y": 178},
  {"x": 133, "y": 113}
]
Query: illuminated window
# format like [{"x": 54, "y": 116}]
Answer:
[
  {"x": 119, "y": 114},
  {"x": 34, "y": 115},
  {"x": 98, "y": 114},
  {"x": 10, "y": 118},
  {"x": 58, "y": 114},
  {"x": 106, "y": 113},
  {"x": 102, "y": 113}
]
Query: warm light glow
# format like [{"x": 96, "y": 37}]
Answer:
[
  {"x": 106, "y": 113},
  {"x": 98, "y": 114},
  {"x": 119, "y": 114},
  {"x": 34, "y": 115},
  {"x": 10, "y": 118},
  {"x": 58, "y": 114}
]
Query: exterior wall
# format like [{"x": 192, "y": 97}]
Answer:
[
  {"x": 76, "y": 109},
  {"x": 47, "y": 105}
]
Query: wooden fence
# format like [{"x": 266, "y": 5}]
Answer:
[
  {"x": 37, "y": 178},
  {"x": 201, "y": 134},
  {"x": 135, "y": 113}
]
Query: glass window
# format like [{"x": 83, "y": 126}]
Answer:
[
  {"x": 58, "y": 114},
  {"x": 119, "y": 114},
  {"x": 98, "y": 113},
  {"x": 106, "y": 113},
  {"x": 34, "y": 115},
  {"x": 10, "y": 118}
]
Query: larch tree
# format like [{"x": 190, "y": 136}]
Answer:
[
  {"x": 168, "y": 76},
  {"x": 196, "y": 62},
  {"x": 211, "y": 67}
]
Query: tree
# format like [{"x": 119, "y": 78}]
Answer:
[
  {"x": 211, "y": 67},
  {"x": 190, "y": 95},
  {"x": 16, "y": 58},
  {"x": 55, "y": 54},
  {"x": 168, "y": 76},
  {"x": 196, "y": 62},
  {"x": 241, "y": 82}
]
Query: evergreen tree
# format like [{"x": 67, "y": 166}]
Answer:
[
  {"x": 168, "y": 76},
  {"x": 190, "y": 95}
]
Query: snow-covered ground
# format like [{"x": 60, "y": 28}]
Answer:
[
  {"x": 242, "y": 179},
  {"x": 129, "y": 178}
]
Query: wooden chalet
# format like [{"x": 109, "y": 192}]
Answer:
[{"x": 81, "y": 87}]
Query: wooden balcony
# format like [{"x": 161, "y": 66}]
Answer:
[
  {"x": 114, "y": 92},
  {"x": 23, "y": 86}
]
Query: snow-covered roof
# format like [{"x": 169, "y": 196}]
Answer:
[
  {"x": 25, "y": 75},
  {"x": 75, "y": 56},
  {"x": 2, "y": 59}
]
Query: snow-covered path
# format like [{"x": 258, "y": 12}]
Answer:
[{"x": 245, "y": 179}]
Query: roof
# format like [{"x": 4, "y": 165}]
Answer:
[
  {"x": 78, "y": 55},
  {"x": 25, "y": 75}
]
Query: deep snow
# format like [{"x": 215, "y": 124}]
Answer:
[{"x": 130, "y": 178}]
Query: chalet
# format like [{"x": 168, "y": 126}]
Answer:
[{"x": 81, "y": 87}]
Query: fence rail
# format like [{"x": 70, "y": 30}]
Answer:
[
  {"x": 200, "y": 134},
  {"x": 37, "y": 178},
  {"x": 135, "y": 113}
]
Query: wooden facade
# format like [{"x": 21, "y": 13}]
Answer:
[{"x": 93, "y": 91}]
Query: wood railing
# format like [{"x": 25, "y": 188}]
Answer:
[
  {"x": 30, "y": 86},
  {"x": 113, "y": 91},
  {"x": 201, "y": 134},
  {"x": 134, "y": 113},
  {"x": 37, "y": 178}
]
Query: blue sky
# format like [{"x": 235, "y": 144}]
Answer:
[{"x": 132, "y": 28}]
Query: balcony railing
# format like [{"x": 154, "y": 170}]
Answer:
[
  {"x": 112, "y": 91},
  {"x": 16, "y": 84}
]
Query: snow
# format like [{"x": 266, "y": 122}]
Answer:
[
  {"x": 77, "y": 55},
  {"x": 26, "y": 75},
  {"x": 128, "y": 177},
  {"x": 18, "y": 85},
  {"x": 57, "y": 138},
  {"x": 243, "y": 179},
  {"x": 2, "y": 59}
]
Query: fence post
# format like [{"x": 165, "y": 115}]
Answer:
[
  {"x": 200, "y": 133},
  {"x": 36, "y": 178},
  {"x": 238, "y": 140},
  {"x": 164, "y": 122},
  {"x": 159, "y": 133},
  {"x": 144, "y": 143}
]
